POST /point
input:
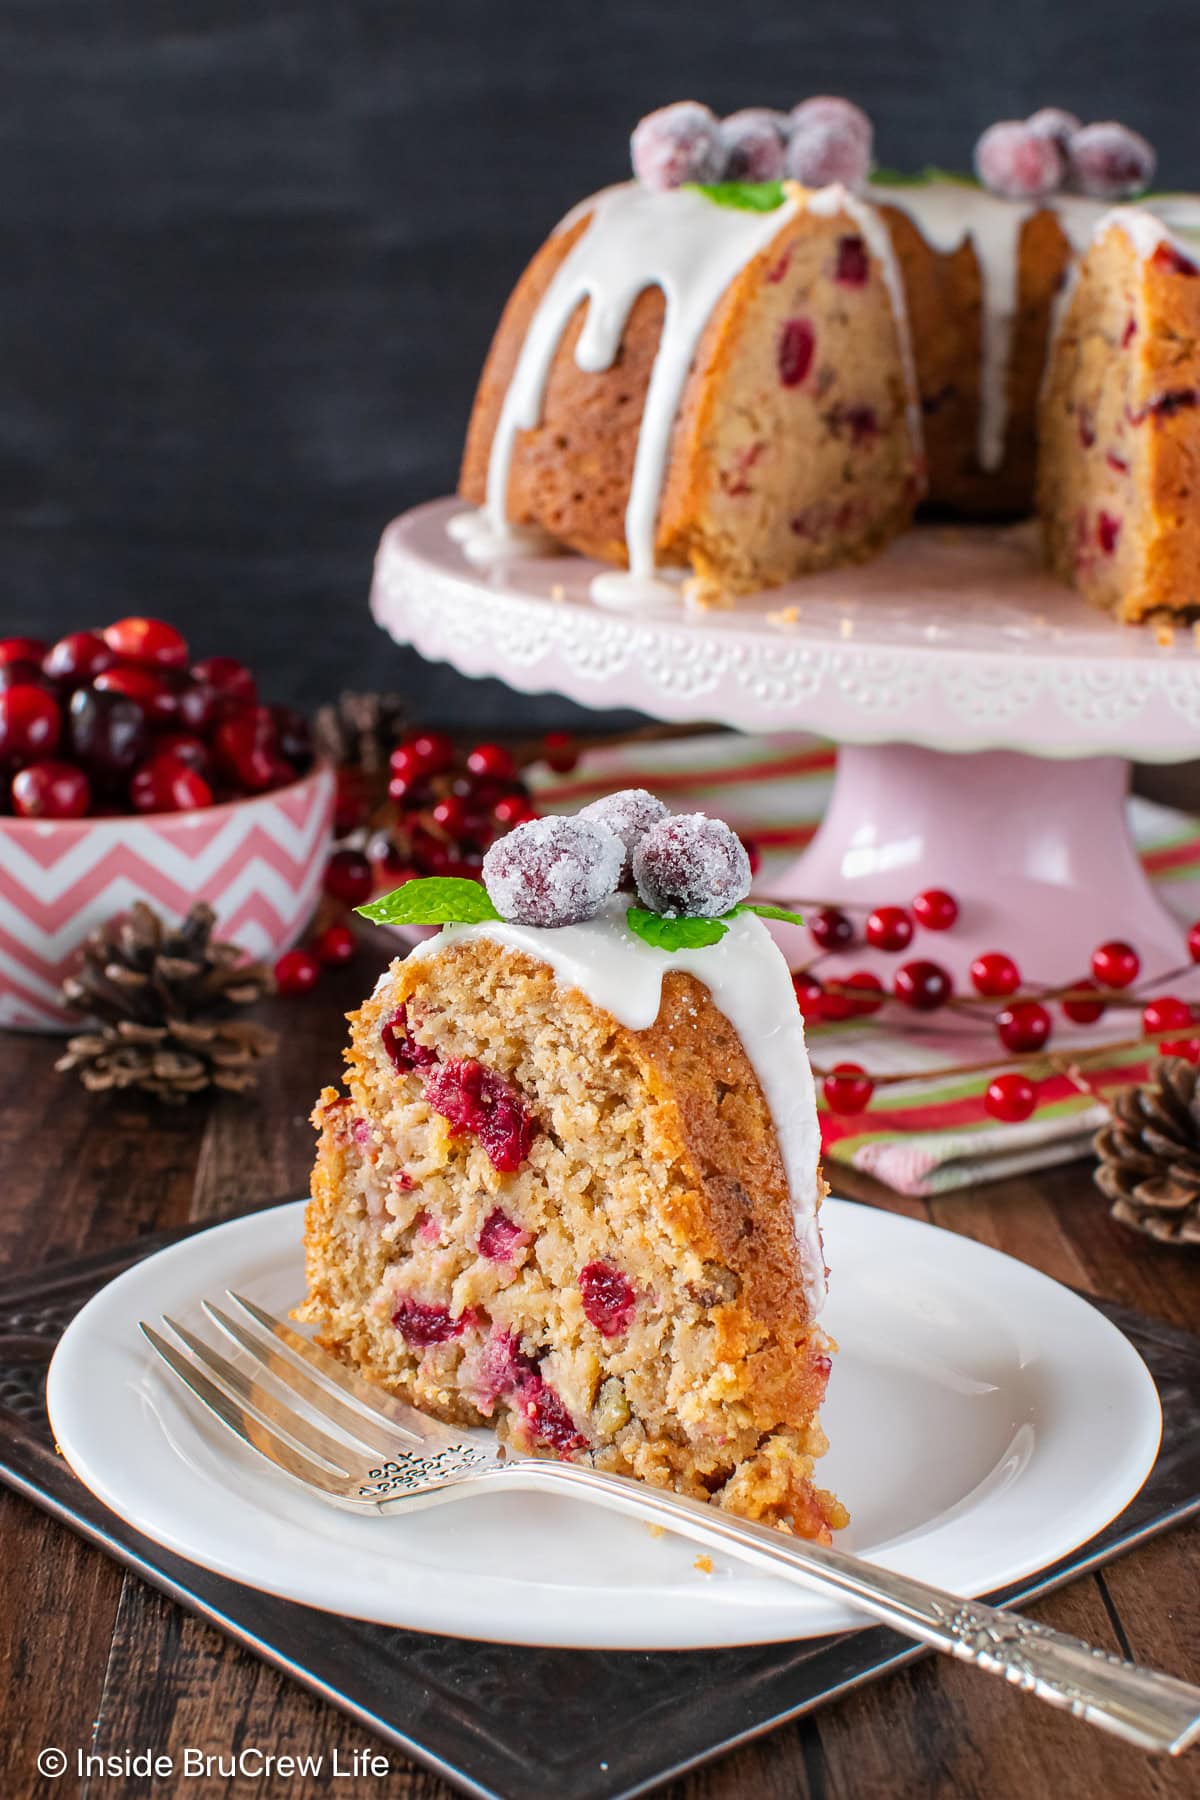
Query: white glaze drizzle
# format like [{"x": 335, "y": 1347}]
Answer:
[{"x": 747, "y": 976}]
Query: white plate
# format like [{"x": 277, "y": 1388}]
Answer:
[{"x": 984, "y": 1422}]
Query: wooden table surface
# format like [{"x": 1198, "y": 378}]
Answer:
[{"x": 91, "y": 1657}]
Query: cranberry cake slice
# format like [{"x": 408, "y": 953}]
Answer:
[
  {"x": 572, "y": 1190},
  {"x": 1119, "y": 471}
]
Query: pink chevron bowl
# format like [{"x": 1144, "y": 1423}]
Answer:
[{"x": 258, "y": 862}]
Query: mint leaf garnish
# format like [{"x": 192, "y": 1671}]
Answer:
[
  {"x": 768, "y": 912},
  {"x": 921, "y": 178},
  {"x": 674, "y": 934},
  {"x": 749, "y": 196},
  {"x": 435, "y": 900}
]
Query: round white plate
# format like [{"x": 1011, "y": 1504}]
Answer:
[{"x": 984, "y": 1421}]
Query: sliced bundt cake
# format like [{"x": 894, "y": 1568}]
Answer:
[
  {"x": 573, "y": 1187},
  {"x": 1119, "y": 481}
]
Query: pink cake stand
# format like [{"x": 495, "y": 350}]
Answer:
[{"x": 985, "y": 717}]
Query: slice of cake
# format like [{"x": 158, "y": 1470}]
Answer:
[
  {"x": 1119, "y": 478},
  {"x": 573, "y": 1186}
]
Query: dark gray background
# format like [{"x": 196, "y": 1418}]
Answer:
[{"x": 252, "y": 252}]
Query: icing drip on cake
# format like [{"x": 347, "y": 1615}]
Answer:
[{"x": 748, "y": 979}]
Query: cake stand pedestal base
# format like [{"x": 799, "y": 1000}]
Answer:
[{"x": 1038, "y": 856}]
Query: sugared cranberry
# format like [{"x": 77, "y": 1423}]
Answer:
[
  {"x": 108, "y": 733},
  {"x": 165, "y": 784},
  {"x": 677, "y": 144},
  {"x": 830, "y": 927},
  {"x": 349, "y": 877},
  {"x": 1081, "y": 1011},
  {"x": 1010, "y": 1097},
  {"x": 402, "y": 1048},
  {"x": 146, "y": 686},
  {"x": 1116, "y": 964},
  {"x": 847, "y": 1089},
  {"x": 553, "y": 871},
  {"x": 889, "y": 928},
  {"x": 832, "y": 109},
  {"x": 149, "y": 641},
  {"x": 1023, "y": 1027},
  {"x": 1166, "y": 1013},
  {"x": 297, "y": 972},
  {"x": 691, "y": 866},
  {"x": 477, "y": 1100},
  {"x": 336, "y": 944},
  {"x": 922, "y": 985},
  {"x": 628, "y": 814},
  {"x": 935, "y": 909},
  {"x": 821, "y": 151},
  {"x": 422, "y": 1323},
  {"x": 797, "y": 342},
  {"x": 492, "y": 762},
  {"x": 853, "y": 264},
  {"x": 1054, "y": 122},
  {"x": 995, "y": 974},
  {"x": 51, "y": 790},
  {"x": 1022, "y": 164},
  {"x": 1108, "y": 530},
  {"x": 21, "y": 650},
  {"x": 501, "y": 1237},
  {"x": 30, "y": 723},
  {"x": 609, "y": 1301},
  {"x": 77, "y": 658},
  {"x": 1109, "y": 161},
  {"x": 230, "y": 680},
  {"x": 754, "y": 144}
]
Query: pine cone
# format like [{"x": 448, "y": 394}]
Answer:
[
  {"x": 1150, "y": 1154},
  {"x": 162, "y": 1000},
  {"x": 360, "y": 731}
]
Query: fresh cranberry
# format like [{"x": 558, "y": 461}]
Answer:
[
  {"x": 1187, "y": 1048},
  {"x": 831, "y": 928},
  {"x": 349, "y": 877},
  {"x": 450, "y": 814},
  {"x": 492, "y": 761},
  {"x": 546, "y": 1415},
  {"x": 1108, "y": 530},
  {"x": 30, "y": 723},
  {"x": 609, "y": 1301},
  {"x": 150, "y": 641},
  {"x": 421, "y": 1323},
  {"x": 297, "y": 972},
  {"x": 560, "y": 752},
  {"x": 1080, "y": 1011},
  {"x": 336, "y": 944},
  {"x": 477, "y": 1100},
  {"x": 1021, "y": 164},
  {"x": 230, "y": 680},
  {"x": 21, "y": 650},
  {"x": 51, "y": 790},
  {"x": 186, "y": 748},
  {"x": 1010, "y": 1097},
  {"x": 1116, "y": 964},
  {"x": 810, "y": 997},
  {"x": 108, "y": 733},
  {"x": 145, "y": 686},
  {"x": 677, "y": 144},
  {"x": 292, "y": 734},
  {"x": 350, "y": 807},
  {"x": 165, "y": 784},
  {"x": 871, "y": 990},
  {"x": 1023, "y": 1027},
  {"x": 889, "y": 928},
  {"x": 853, "y": 263},
  {"x": 935, "y": 909},
  {"x": 501, "y": 1237},
  {"x": 77, "y": 658},
  {"x": 245, "y": 753},
  {"x": 847, "y": 1089},
  {"x": 24, "y": 674},
  {"x": 512, "y": 810},
  {"x": 797, "y": 342},
  {"x": 402, "y": 1047},
  {"x": 1193, "y": 941},
  {"x": 922, "y": 985},
  {"x": 196, "y": 706},
  {"x": 1167, "y": 1013},
  {"x": 995, "y": 974}
]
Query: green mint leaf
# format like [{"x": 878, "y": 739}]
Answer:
[
  {"x": 748, "y": 196},
  {"x": 674, "y": 934},
  {"x": 922, "y": 178},
  {"x": 436, "y": 900},
  {"x": 768, "y": 912}
]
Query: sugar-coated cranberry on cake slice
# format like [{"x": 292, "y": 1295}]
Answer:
[{"x": 572, "y": 1188}]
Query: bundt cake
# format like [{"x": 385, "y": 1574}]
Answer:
[
  {"x": 573, "y": 1187},
  {"x": 752, "y": 379}
]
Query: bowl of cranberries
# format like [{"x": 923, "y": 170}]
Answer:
[{"x": 130, "y": 771}]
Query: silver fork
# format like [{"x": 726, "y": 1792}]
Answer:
[{"x": 388, "y": 1457}]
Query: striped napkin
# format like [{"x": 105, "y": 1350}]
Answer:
[{"x": 924, "y": 1135}]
